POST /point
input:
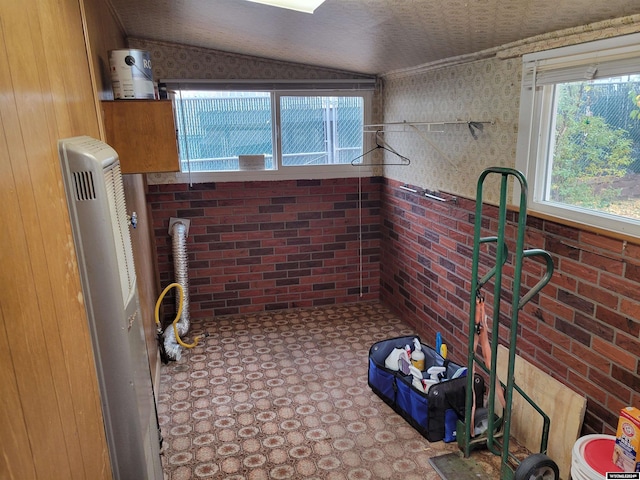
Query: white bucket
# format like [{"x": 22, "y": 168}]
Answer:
[
  {"x": 131, "y": 75},
  {"x": 584, "y": 463}
]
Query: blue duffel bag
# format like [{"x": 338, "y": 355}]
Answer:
[{"x": 433, "y": 414}]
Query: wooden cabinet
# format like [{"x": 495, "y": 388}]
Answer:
[{"x": 143, "y": 133}]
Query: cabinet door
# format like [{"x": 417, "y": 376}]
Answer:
[{"x": 143, "y": 133}]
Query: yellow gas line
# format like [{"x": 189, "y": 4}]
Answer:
[{"x": 178, "y": 314}]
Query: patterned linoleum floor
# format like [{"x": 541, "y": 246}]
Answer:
[{"x": 284, "y": 395}]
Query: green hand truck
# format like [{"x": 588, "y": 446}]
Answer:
[{"x": 537, "y": 466}]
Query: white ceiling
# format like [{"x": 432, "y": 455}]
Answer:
[{"x": 364, "y": 36}]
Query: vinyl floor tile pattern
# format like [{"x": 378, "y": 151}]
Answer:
[{"x": 284, "y": 395}]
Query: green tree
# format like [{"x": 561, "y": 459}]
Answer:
[
  {"x": 589, "y": 153},
  {"x": 635, "y": 99}
]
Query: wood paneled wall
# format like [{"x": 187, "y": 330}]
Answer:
[
  {"x": 144, "y": 254},
  {"x": 50, "y": 416}
]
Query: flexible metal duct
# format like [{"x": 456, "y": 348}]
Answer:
[{"x": 180, "y": 262}]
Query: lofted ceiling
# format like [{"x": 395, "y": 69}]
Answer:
[{"x": 363, "y": 36}]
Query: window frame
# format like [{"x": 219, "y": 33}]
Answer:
[
  {"x": 337, "y": 88},
  {"x": 536, "y": 121}
]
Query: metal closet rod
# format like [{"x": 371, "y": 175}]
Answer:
[
  {"x": 428, "y": 193},
  {"x": 417, "y": 124}
]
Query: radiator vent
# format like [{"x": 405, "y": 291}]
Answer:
[
  {"x": 83, "y": 185},
  {"x": 120, "y": 227},
  {"x": 95, "y": 195}
]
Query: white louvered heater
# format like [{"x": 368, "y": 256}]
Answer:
[{"x": 100, "y": 225}]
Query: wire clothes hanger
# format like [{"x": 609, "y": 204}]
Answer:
[
  {"x": 474, "y": 127},
  {"x": 381, "y": 144}
]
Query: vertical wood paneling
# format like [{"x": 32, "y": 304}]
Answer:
[
  {"x": 144, "y": 247},
  {"x": 52, "y": 424},
  {"x": 25, "y": 260},
  {"x": 104, "y": 33},
  {"x": 16, "y": 458}
]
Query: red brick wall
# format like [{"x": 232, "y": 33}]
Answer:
[
  {"x": 256, "y": 246},
  {"x": 269, "y": 245},
  {"x": 583, "y": 328}
]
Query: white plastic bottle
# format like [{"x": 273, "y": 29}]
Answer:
[
  {"x": 417, "y": 379},
  {"x": 417, "y": 356}
]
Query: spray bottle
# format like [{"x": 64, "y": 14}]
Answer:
[
  {"x": 417, "y": 356},
  {"x": 434, "y": 377},
  {"x": 417, "y": 379}
]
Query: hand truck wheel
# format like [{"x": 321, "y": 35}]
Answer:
[{"x": 537, "y": 467}]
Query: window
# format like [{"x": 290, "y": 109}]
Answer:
[
  {"x": 579, "y": 133},
  {"x": 218, "y": 127},
  {"x": 225, "y": 130},
  {"x": 321, "y": 130}
]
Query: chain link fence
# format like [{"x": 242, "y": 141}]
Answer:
[{"x": 315, "y": 130}]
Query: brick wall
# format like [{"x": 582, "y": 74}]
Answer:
[
  {"x": 270, "y": 245},
  {"x": 584, "y": 326},
  {"x": 257, "y": 246}
]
